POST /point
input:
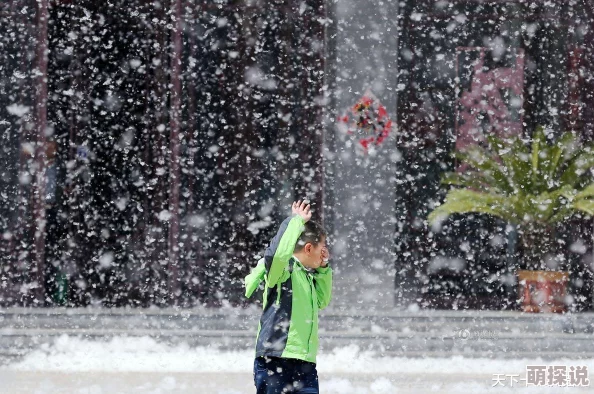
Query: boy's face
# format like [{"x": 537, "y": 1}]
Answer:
[{"x": 315, "y": 254}]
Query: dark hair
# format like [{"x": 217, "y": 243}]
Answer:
[{"x": 313, "y": 233}]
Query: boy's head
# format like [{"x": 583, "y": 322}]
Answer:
[{"x": 311, "y": 246}]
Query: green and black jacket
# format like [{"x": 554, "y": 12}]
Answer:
[{"x": 292, "y": 297}]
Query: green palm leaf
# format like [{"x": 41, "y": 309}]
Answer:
[
  {"x": 467, "y": 201},
  {"x": 586, "y": 206},
  {"x": 586, "y": 192},
  {"x": 563, "y": 149},
  {"x": 577, "y": 166},
  {"x": 517, "y": 161},
  {"x": 541, "y": 185},
  {"x": 480, "y": 159},
  {"x": 536, "y": 143},
  {"x": 470, "y": 179}
]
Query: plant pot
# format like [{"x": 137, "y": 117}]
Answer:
[{"x": 543, "y": 291}]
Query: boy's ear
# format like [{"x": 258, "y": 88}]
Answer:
[{"x": 307, "y": 247}]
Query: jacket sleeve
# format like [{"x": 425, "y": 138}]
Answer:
[
  {"x": 323, "y": 285},
  {"x": 252, "y": 281},
  {"x": 281, "y": 249}
]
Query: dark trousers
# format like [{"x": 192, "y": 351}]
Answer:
[{"x": 273, "y": 375}]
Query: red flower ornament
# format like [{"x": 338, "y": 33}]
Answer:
[{"x": 367, "y": 121}]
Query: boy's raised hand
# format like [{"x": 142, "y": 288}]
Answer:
[{"x": 302, "y": 209}]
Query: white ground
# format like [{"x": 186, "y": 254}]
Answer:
[{"x": 142, "y": 365}]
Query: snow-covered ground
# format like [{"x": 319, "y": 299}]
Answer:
[{"x": 143, "y": 365}]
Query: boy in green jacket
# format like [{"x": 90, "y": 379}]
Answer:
[{"x": 298, "y": 283}]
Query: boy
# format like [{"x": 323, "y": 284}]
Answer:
[{"x": 298, "y": 284}]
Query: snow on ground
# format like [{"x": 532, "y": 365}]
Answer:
[{"x": 144, "y": 365}]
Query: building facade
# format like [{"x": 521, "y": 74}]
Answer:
[{"x": 149, "y": 159}]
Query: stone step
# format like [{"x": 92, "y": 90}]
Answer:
[
  {"x": 403, "y": 333},
  {"x": 179, "y": 332},
  {"x": 327, "y": 325},
  {"x": 244, "y": 320},
  {"x": 544, "y": 355},
  {"x": 377, "y": 342}
]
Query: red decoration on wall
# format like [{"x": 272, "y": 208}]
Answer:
[{"x": 367, "y": 121}]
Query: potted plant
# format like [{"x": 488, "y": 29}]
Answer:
[{"x": 533, "y": 185}]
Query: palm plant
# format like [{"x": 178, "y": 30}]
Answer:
[{"x": 533, "y": 186}]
